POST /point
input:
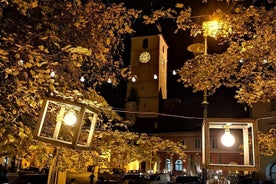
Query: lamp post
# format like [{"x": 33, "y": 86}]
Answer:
[{"x": 210, "y": 28}]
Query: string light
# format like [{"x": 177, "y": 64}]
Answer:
[
  {"x": 109, "y": 80},
  {"x": 20, "y": 62},
  {"x": 52, "y": 74},
  {"x": 155, "y": 76},
  {"x": 82, "y": 79},
  {"x": 133, "y": 79},
  {"x": 174, "y": 72}
]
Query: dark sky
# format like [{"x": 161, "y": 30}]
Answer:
[{"x": 177, "y": 55}]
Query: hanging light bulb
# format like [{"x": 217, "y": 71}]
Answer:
[
  {"x": 155, "y": 76},
  {"x": 82, "y": 79},
  {"x": 52, "y": 74},
  {"x": 227, "y": 139},
  {"x": 70, "y": 118},
  {"x": 133, "y": 79},
  {"x": 20, "y": 62},
  {"x": 174, "y": 72}
]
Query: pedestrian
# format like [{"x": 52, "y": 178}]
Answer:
[{"x": 91, "y": 178}]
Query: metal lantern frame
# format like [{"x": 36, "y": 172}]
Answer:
[
  {"x": 246, "y": 126},
  {"x": 54, "y": 139}
]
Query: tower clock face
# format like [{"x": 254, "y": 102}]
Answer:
[{"x": 144, "y": 57}]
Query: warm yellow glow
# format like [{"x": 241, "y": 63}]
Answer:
[
  {"x": 132, "y": 165},
  {"x": 70, "y": 118},
  {"x": 210, "y": 28},
  {"x": 227, "y": 139}
]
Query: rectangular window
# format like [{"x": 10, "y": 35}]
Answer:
[
  {"x": 214, "y": 144},
  {"x": 145, "y": 43},
  {"x": 197, "y": 144}
]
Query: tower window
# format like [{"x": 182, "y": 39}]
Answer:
[
  {"x": 155, "y": 125},
  {"x": 145, "y": 43}
]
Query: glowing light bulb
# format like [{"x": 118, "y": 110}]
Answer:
[
  {"x": 227, "y": 139},
  {"x": 109, "y": 80},
  {"x": 70, "y": 119},
  {"x": 52, "y": 74},
  {"x": 174, "y": 72},
  {"x": 82, "y": 79},
  {"x": 155, "y": 76},
  {"x": 20, "y": 62},
  {"x": 133, "y": 79}
]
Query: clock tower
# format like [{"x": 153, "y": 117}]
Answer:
[{"x": 148, "y": 60}]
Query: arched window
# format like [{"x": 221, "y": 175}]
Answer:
[
  {"x": 178, "y": 165},
  {"x": 272, "y": 171},
  {"x": 145, "y": 43},
  {"x": 168, "y": 165}
]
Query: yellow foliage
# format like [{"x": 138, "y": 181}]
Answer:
[
  {"x": 80, "y": 50},
  {"x": 3, "y": 52},
  {"x": 22, "y": 135},
  {"x": 41, "y": 47}
]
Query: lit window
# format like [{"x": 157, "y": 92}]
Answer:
[
  {"x": 178, "y": 165},
  {"x": 273, "y": 172},
  {"x": 168, "y": 165}
]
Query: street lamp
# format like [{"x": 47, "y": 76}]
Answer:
[
  {"x": 66, "y": 123},
  {"x": 245, "y": 139},
  {"x": 210, "y": 28}
]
